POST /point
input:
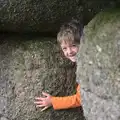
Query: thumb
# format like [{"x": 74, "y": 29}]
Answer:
[{"x": 45, "y": 94}]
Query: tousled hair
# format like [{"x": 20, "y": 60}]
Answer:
[{"x": 70, "y": 32}]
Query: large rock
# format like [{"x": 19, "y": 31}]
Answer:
[
  {"x": 46, "y": 16},
  {"x": 28, "y": 66},
  {"x": 99, "y": 67}
]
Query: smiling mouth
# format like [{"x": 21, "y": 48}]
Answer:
[{"x": 72, "y": 55}]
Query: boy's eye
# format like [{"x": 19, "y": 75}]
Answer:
[
  {"x": 64, "y": 48},
  {"x": 74, "y": 45}
]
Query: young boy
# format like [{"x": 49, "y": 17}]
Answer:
[{"x": 69, "y": 40}]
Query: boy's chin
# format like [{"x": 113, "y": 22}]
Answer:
[{"x": 73, "y": 59}]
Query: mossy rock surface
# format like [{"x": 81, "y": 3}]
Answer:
[
  {"x": 48, "y": 15},
  {"x": 99, "y": 67},
  {"x": 30, "y": 65}
]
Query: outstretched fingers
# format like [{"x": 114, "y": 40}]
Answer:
[
  {"x": 40, "y": 105},
  {"x": 38, "y": 102},
  {"x": 39, "y": 98},
  {"x": 44, "y": 101},
  {"x": 45, "y": 94},
  {"x": 45, "y": 108}
]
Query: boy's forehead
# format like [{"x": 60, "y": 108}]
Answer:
[{"x": 63, "y": 43}]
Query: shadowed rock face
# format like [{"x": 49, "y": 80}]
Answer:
[
  {"x": 48, "y": 15},
  {"x": 28, "y": 66},
  {"x": 99, "y": 67}
]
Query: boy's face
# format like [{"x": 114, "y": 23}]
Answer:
[{"x": 70, "y": 50}]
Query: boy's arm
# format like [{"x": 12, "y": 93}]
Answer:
[{"x": 68, "y": 101}]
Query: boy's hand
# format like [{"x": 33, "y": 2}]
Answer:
[{"x": 44, "y": 101}]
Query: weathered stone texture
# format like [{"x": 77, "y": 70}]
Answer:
[
  {"x": 99, "y": 67},
  {"x": 48, "y": 15},
  {"x": 28, "y": 66}
]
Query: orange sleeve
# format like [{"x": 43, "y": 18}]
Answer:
[{"x": 68, "y": 101}]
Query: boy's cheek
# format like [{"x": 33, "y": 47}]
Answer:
[{"x": 65, "y": 54}]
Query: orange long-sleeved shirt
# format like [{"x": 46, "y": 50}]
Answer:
[{"x": 67, "y": 101}]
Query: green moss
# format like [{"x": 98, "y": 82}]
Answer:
[{"x": 101, "y": 20}]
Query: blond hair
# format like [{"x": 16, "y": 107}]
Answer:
[{"x": 70, "y": 32}]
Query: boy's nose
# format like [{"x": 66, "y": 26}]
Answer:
[{"x": 69, "y": 50}]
